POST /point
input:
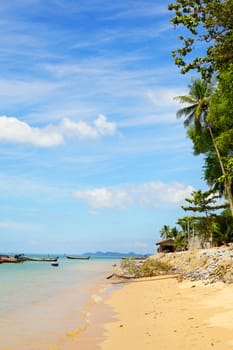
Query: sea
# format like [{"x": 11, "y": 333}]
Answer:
[{"x": 43, "y": 307}]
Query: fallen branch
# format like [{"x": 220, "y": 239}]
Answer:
[{"x": 120, "y": 276}]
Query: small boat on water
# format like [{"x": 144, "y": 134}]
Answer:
[
  {"x": 56, "y": 264},
  {"x": 77, "y": 257},
  {"x": 20, "y": 258},
  {"x": 10, "y": 259},
  {"x": 49, "y": 259}
]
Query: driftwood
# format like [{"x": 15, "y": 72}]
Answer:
[
  {"x": 143, "y": 278},
  {"x": 120, "y": 276}
]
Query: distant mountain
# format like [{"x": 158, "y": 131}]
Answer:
[{"x": 115, "y": 254}]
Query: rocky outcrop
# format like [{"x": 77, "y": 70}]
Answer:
[{"x": 208, "y": 265}]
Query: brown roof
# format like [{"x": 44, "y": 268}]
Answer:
[{"x": 169, "y": 240}]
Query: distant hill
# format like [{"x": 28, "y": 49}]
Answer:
[{"x": 116, "y": 255}]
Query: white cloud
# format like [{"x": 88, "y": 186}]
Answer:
[
  {"x": 104, "y": 127},
  {"x": 151, "y": 194},
  {"x": 15, "y": 131},
  {"x": 158, "y": 193},
  {"x": 100, "y": 127},
  {"x": 12, "y": 130},
  {"x": 80, "y": 129},
  {"x": 103, "y": 198}
]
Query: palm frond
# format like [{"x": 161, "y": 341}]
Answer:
[
  {"x": 186, "y": 111},
  {"x": 185, "y": 99}
]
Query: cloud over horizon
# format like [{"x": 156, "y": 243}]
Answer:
[{"x": 152, "y": 194}]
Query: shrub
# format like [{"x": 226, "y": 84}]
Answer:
[
  {"x": 153, "y": 267},
  {"x": 147, "y": 268}
]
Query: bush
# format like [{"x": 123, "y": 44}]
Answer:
[
  {"x": 147, "y": 268},
  {"x": 153, "y": 267}
]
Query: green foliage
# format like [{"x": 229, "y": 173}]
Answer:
[
  {"x": 165, "y": 232},
  {"x": 180, "y": 241},
  {"x": 168, "y": 232},
  {"x": 197, "y": 104},
  {"x": 202, "y": 118},
  {"x": 212, "y": 172},
  {"x": 223, "y": 232},
  {"x": 202, "y": 142},
  {"x": 229, "y": 172},
  {"x": 203, "y": 202},
  {"x": 209, "y": 22},
  {"x": 221, "y": 112},
  {"x": 208, "y": 110}
]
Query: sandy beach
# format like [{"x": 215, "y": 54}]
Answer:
[{"x": 162, "y": 313}]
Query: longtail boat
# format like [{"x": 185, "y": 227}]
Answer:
[
  {"x": 77, "y": 257},
  {"x": 10, "y": 259},
  {"x": 28, "y": 258}
]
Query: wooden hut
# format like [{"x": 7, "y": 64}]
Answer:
[{"x": 166, "y": 246}]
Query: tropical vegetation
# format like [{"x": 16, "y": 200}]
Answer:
[{"x": 207, "y": 113}]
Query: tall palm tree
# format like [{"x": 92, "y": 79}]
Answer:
[
  {"x": 196, "y": 113},
  {"x": 197, "y": 104}
]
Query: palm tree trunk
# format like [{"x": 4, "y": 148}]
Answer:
[{"x": 226, "y": 183}]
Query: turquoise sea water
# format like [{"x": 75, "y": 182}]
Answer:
[{"x": 44, "y": 307}]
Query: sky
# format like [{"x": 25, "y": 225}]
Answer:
[{"x": 92, "y": 155}]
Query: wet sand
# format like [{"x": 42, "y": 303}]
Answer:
[{"x": 161, "y": 313}]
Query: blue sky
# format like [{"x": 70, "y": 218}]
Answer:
[{"x": 92, "y": 155}]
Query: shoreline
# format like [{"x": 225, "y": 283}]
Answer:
[
  {"x": 58, "y": 314},
  {"x": 95, "y": 313},
  {"x": 160, "y": 312}
]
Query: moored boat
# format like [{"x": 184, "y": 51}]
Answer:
[
  {"x": 49, "y": 259},
  {"x": 10, "y": 259},
  {"x": 77, "y": 257}
]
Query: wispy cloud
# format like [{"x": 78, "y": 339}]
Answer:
[
  {"x": 164, "y": 97},
  {"x": 17, "y": 91},
  {"x": 151, "y": 194},
  {"x": 17, "y": 226}
]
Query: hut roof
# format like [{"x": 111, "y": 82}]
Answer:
[{"x": 166, "y": 241}]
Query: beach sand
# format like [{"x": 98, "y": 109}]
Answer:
[{"x": 161, "y": 313}]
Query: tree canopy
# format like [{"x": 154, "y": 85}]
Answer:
[
  {"x": 206, "y": 36},
  {"x": 209, "y": 22}
]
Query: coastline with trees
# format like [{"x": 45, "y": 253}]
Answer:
[{"x": 172, "y": 315}]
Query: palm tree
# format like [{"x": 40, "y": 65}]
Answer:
[
  {"x": 196, "y": 113},
  {"x": 198, "y": 104},
  {"x": 165, "y": 232},
  {"x": 169, "y": 232}
]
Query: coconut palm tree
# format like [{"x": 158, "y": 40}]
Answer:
[
  {"x": 169, "y": 232},
  {"x": 196, "y": 112},
  {"x": 197, "y": 104},
  {"x": 165, "y": 232}
]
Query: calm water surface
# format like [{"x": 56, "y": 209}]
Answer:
[{"x": 44, "y": 307}]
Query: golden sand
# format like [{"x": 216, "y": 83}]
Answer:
[{"x": 161, "y": 313}]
